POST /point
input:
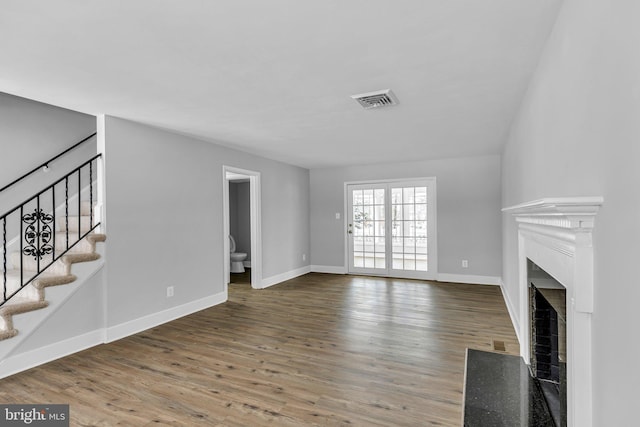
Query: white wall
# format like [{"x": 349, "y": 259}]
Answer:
[
  {"x": 578, "y": 133},
  {"x": 468, "y": 211},
  {"x": 32, "y": 133},
  {"x": 164, "y": 218}
]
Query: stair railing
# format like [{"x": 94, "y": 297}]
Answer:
[
  {"x": 46, "y": 164},
  {"x": 34, "y": 224}
]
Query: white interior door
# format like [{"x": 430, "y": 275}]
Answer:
[{"x": 391, "y": 229}]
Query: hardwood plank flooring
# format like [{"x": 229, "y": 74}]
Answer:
[{"x": 320, "y": 349}]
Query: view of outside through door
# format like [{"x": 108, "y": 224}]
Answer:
[
  {"x": 409, "y": 228},
  {"x": 369, "y": 224},
  {"x": 388, "y": 228}
]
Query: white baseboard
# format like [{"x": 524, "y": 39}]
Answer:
[
  {"x": 512, "y": 311},
  {"x": 332, "y": 269},
  {"x": 30, "y": 359},
  {"x": 143, "y": 323},
  {"x": 469, "y": 278},
  {"x": 279, "y": 278},
  {"x": 247, "y": 264}
]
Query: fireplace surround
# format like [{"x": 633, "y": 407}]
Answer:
[{"x": 557, "y": 235}]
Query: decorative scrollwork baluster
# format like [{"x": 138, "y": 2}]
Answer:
[
  {"x": 38, "y": 234},
  {"x": 4, "y": 258}
]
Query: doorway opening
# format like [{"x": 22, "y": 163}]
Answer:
[
  {"x": 391, "y": 228},
  {"x": 241, "y": 218}
]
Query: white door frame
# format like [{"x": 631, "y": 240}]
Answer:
[
  {"x": 432, "y": 217},
  {"x": 256, "y": 225}
]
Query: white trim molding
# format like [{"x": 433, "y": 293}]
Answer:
[
  {"x": 469, "y": 278},
  {"x": 131, "y": 327},
  {"x": 564, "y": 212},
  {"x": 511, "y": 309},
  {"x": 279, "y": 278},
  {"x": 331, "y": 269},
  {"x": 556, "y": 234},
  {"x": 39, "y": 356}
]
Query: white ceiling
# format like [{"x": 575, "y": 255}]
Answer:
[{"x": 275, "y": 77}]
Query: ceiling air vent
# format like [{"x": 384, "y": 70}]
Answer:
[{"x": 379, "y": 98}]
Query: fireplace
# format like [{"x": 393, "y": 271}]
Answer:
[
  {"x": 555, "y": 235},
  {"x": 548, "y": 331}
]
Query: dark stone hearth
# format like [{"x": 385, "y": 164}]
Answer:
[{"x": 500, "y": 392}]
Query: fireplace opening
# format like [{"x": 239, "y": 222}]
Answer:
[{"x": 548, "y": 308}]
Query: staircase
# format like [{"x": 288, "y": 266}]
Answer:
[
  {"x": 32, "y": 296},
  {"x": 44, "y": 236}
]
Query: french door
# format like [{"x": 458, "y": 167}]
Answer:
[{"x": 391, "y": 228}]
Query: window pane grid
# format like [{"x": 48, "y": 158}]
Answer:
[
  {"x": 409, "y": 228},
  {"x": 369, "y": 228}
]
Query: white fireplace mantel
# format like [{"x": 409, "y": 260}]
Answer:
[
  {"x": 556, "y": 234},
  {"x": 563, "y": 212}
]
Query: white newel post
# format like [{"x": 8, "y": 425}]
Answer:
[
  {"x": 99, "y": 209},
  {"x": 556, "y": 234}
]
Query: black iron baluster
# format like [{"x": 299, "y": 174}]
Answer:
[
  {"x": 39, "y": 235},
  {"x": 66, "y": 209},
  {"x": 53, "y": 211},
  {"x": 91, "y": 195},
  {"x": 20, "y": 247},
  {"x": 4, "y": 256},
  {"x": 79, "y": 204}
]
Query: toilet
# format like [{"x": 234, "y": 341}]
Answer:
[{"x": 237, "y": 258}]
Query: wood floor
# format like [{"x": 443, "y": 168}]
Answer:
[{"x": 317, "y": 350}]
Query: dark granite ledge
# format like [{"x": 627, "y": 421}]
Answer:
[{"x": 500, "y": 392}]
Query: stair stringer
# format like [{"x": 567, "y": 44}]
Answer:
[{"x": 41, "y": 332}]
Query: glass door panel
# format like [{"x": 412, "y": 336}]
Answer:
[
  {"x": 367, "y": 229},
  {"x": 409, "y": 206}
]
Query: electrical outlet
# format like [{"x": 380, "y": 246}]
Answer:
[
  {"x": 465, "y": 263},
  {"x": 337, "y": 215},
  {"x": 304, "y": 257},
  {"x": 169, "y": 291}
]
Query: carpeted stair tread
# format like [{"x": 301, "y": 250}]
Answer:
[
  {"x": 45, "y": 278},
  {"x": 73, "y": 222},
  {"x": 97, "y": 237},
  {"x": 9, "y": 333},
  {"x": 29, "y": 264},
  {"x": 53, "y": 280},
  {"x": 85, "y": 245},
  {"x": 21, "y": 305},
  {"x": 75, "y": 257}
]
